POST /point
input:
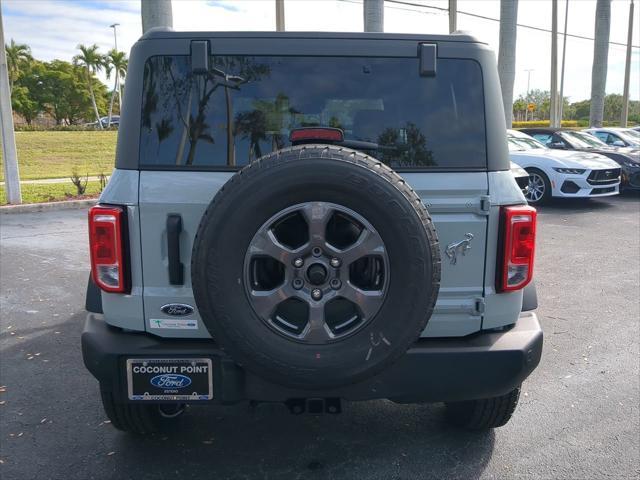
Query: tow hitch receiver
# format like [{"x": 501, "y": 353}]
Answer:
[{"x": 314, "y": 406}]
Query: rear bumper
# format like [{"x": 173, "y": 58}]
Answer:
[{"x": 433, "y": 370}]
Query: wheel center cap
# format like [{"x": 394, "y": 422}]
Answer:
[{"x": 317, "y": 274}]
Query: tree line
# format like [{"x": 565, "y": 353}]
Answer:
[
  {"x": 69, "y": 92},
  {"x": 541, "y": 99}
]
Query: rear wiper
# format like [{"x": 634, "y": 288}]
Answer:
[{"x": 362, "y": 145}]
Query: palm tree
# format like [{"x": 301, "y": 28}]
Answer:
[
  {"x": 92, "y": 62},
  {"x": 17, "y": 54},
  {"x": 507, "y": 55},
  {"x": 116, "y": 62},
  {"x": 600, "y": 58}
]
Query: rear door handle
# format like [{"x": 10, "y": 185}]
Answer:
[{"x": 174, "y": 229}]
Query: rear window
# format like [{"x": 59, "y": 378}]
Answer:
[{"x": 246, "y": 107}]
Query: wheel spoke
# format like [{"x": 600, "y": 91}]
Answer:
[
  {"x": 265, "y": 302},
  {"x": 265, "y": 243},
  {"x": 368, "y": 301},
  {"x": 317, "y": 215},
  {"x": 536, "y": 188},
  {"x": 316, "y": 330},
  {"x": 369, "y": 243}
]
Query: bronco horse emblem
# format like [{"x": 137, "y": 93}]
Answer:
[{"x": 462, "y": 246}]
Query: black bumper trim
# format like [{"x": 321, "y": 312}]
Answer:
[{"x": 433, "y": 370}]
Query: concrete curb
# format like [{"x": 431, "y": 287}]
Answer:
[{"x": 49, "y": 206}]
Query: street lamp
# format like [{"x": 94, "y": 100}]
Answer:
[{"x": 115, "y": 37}]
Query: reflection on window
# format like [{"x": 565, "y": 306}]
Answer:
[{"x": 246, "y": 107}]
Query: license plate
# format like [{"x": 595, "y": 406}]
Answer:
[{"x": 170, "y": 379}]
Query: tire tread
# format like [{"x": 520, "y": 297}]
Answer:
[{"x": 483, "y": 414}]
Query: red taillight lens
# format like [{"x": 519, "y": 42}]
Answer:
[
  {"x": 316, "y": 134},
  {"x": 106, "y": 243},
  {"x": 519, "y": 237}
]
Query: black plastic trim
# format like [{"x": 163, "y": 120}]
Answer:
[
  {"x": 176, "y": 268},
  {"x": 200, "y": 56},
  {"x": 482, "y": 365},
  {"x": 428, "y": 59},
  {"x": 93, "y": 300},
  {"x": 530, "y": 297}
]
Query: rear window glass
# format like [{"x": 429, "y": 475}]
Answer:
[{"x": 246, "y": 107}]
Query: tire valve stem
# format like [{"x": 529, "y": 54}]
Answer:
[
  {"x": 297, "y": 283},
  {"x": 336, "y": 284},
  {"x": 316, "y": 294}
]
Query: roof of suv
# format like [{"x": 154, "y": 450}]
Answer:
[{"x": 167, "y": 33}]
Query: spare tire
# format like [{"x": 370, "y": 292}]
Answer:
[{"x": 315, "y": 267}]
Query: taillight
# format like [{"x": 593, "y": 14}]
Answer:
[
  {"x": 519, "y": 242},
  {"x": 107, "y": 246}
]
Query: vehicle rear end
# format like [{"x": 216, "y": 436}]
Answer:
[{"x": 413, "y": 122}]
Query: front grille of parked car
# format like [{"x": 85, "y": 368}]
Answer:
[
  {"x": 600, "y": 191},
  {"x": 604, "y": 177}
]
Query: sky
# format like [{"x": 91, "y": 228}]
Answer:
[{"x": 53, "y": 29}]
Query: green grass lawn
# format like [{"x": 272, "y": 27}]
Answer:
[
  {"x": 56, "y": 154},
  {"x": 51, "y": 192}
]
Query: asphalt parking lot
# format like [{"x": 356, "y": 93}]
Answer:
[{"x": 578, "y": 417}]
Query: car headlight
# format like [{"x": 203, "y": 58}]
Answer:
[{"x": 573, "y": 171}]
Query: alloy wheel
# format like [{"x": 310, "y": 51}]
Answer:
[
  {"x": 537, "y": 188},
  {"x": 316, "y": 272}
]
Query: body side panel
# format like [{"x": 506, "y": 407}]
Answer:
[
  {"x": 500, "y": 308},
  {"x": 126, "y": 311}
]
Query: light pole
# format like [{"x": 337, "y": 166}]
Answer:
[
  {"x": 117, "y": 82},
  {"x": 115, "y": 36}
]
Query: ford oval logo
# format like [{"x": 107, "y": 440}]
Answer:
[
  {"x": 177, "y": 309},
  {"x": 171, "y": 380}
]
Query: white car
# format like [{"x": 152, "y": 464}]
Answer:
[
  {"x": 562, "y": 173},
  {"x": 617, "y": 136}
]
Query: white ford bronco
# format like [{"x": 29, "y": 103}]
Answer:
[{"x": 308, "y": 218}]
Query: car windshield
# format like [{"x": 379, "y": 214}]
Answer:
[
  {"x": 582, "y": 140},
  {"x": 523, "y": 143},
  {"x": 633, "y": 133},
  {"x": 631, "y": 139},
  {"x": 519, "y": 144}
]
